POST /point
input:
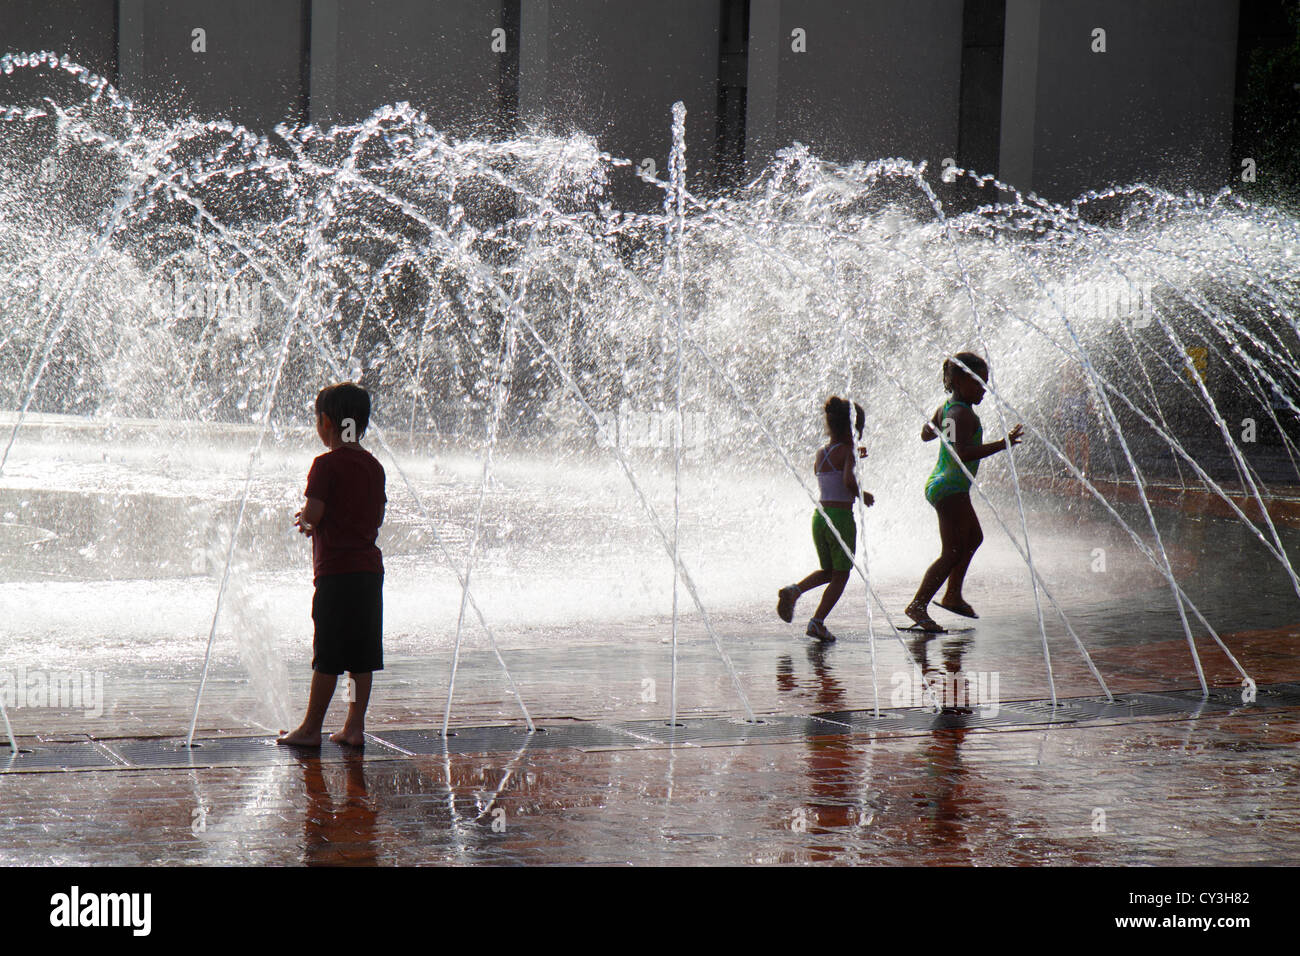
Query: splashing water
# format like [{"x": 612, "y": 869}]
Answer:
[{"x": 176, "y": 294}]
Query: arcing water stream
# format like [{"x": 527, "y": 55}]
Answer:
[{"x": 553, "y": 375}]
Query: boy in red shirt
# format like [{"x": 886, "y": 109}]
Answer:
[{"x": 345, "y": 507}]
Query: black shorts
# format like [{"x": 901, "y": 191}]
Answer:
[{"x": 348, "y": 610}]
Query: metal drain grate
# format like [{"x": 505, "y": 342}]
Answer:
[
  {"x": 1218, "y": 701},
  {"x": 866, "y": 721},
  {"x": 427, "y": 743},
  {"x": 1130, "y": 705},
  {"x": 1275, "y": 695},
  {"x": 212, "y": 752},
  {"x": 627, "y": 735},
  {"x": 1042, "y": 712},
  {"x": 78, "y": 755},
  {"x": 230, "y": 752},
  {"x": 715, "y": 730},
  {"x": 972, "y": 718},
  {"x": 1287, "y": 695}
]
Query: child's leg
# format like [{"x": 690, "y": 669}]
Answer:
[
  {"x": 829, "y": 552},
  {"x": 952, "y": 536},
  {"x": 354, "y": 727},
  {"x": 318, "y": 702},
  {"x": 836, "y": 542},
  {"x": 787, "y": 596},
  {"x": 969, "y": 524},
  {"x": 814, "y": 580},
  {"x": 838, "y": 579},
  {"x": 825, "y": 555}
]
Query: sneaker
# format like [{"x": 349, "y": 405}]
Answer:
[
  {"x": 818, "y": 630},
  {"x": 785, "y": 600}
]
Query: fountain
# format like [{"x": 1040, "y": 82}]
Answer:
[{"x": 176, "y": 293}]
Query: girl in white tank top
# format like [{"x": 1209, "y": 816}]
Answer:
[
  {"x": 831, "y": 479},
  {"x": 833, "y": 529}
]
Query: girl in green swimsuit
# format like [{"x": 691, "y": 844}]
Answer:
[{"x": 948, "y": 488}]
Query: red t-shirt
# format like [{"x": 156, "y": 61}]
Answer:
[{"x": 350, "y": 482}]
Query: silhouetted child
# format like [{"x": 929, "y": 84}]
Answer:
[
  {"x": 345, "y": 507},
  {"x": 833, "y": 467},
  {"x": 948, "y": 488}
]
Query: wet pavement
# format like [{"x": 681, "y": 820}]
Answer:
[
  {"x": 820, "y": 781},
  {"x": 1216, "y": 788},
  {"x": 1220, "y": 790}
]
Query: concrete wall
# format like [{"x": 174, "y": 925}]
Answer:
[
  {"x": 86, "y": 30},
  {"x": 983, "y": 31},
  {"x": 252, "y": 70},
  {"x": 614, "y": 69},
  {"x": 1156, "y": 106},
  {"x": 879, "y": 78},
  {"x": 923, "y": 79},
  {"x": 437, "y": 55}
]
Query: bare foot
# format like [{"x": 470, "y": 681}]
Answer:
[
  {"x": 349, "y": 738},
  {"x": 299, "y": 738}
]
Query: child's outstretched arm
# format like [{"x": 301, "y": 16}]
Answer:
[{"x": 967, "y": 450}]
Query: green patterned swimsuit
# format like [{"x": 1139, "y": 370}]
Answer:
[{"x": 947, "y": 477}]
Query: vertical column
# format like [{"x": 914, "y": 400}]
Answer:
[
  {"x": 130, "y": 46},
  {"x": 83, "y": 30},
  {"x": 1019, "y": 93},
  {"x": 508, "y": 70},
  {"x": 855, "y": 81},
  {"x": 979, "y": 124},
  {"x": 323, "y": 59},
  {"x": 761, "y": 103},
  {"x": 614, "y": 70},
  {"x": 534, "y": 59},
  {"x": 733, "y": 50},
  {"x": 454, "y": 60},
  {"x": 1111, "y": 91},
  {"x": 240, "y": 60}
]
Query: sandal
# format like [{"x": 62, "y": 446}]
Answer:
[
  {"x": 818, "y": 630},
  {"x": 962, "y": 608},
  {"x": 922, "y": 620}
]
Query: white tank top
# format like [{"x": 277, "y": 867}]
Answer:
[{"x": 832, "y": 481}]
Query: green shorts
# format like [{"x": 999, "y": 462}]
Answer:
[{"x": 830, "y": 552}]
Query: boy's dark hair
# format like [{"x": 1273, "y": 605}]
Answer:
[
  {"x": 972, "y": 361},
  {"x": 837, "y": 417},
  {"x": 343, "y": 401}
]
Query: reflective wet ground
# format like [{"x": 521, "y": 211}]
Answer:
[{"x": 1217, "y": 789}]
